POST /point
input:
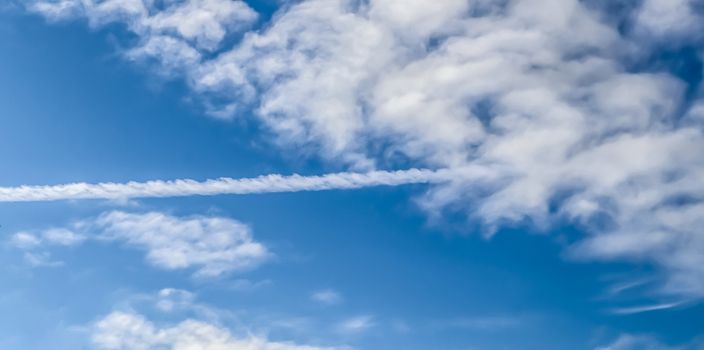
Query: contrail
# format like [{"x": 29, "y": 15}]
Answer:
[{"x": 187, "y": 187}]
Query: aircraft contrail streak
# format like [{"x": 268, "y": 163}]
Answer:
[{"x": 186, "y": 187}]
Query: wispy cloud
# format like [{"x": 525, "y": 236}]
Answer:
[
  {"x": 262, "y": 184},
  {"x": 171, "y": 299},
  {"x": 646, "y": 308},
  {"x": 355, "y": 325},
  {"x": 649, "y": 342},
  {"x": 41, "y": 259},
  {"x": 25, "y": 240},
  {"x": 624, "y": 286},
  {"x": 327, "y": 297}
]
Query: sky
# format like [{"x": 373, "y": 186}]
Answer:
[{"x": 351, "y": 174}]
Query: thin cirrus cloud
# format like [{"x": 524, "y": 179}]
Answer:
[
  {"x": 645, "y": 341},
  {"x": 355, "y": 325},
  {"x": 646, "y": 308},
  {"x": 171, "y": 299},
  {"x": 327, "y": 297},
  {"x": 556, "y": 98},
  {"x": 213, "y": 246}
]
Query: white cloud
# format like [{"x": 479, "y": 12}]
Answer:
[
  {"x": 41, "y": 259},
  {"x": 34, "y": 245},
  {"x": 668, "y": 19},
  {"x": 172, "y": 53},
  {"x": 181, "y": 322},
  {"x": 419, "y": 19},
  {"x": 202, "y": 23},
  {"x": 356, "y": 325},
  {"x": 170, "y": 299},
  {"x": 327, "y": 297},
  {"x": 644, "y": 342},
  {"x": 53, "y": 236},
  {"x": 61, "y": 236},
  {"x": 131, "y": 331},
  {"x": 263, "y": 184},
  {"x": 211, "y": 245},
  {"x": 25, "y": 240},
  {"x": 542, "y": 96},
  {"x": 645, "y": 308}
]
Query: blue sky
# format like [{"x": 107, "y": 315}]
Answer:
[{"x": 569, "y": 218}]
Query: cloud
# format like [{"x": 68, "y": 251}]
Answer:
[
  {"x": 355, "y": 325},
  {"x": 567, "y": 112},
  {"x": 646, "y": 308},
  {"x": 262, "y": 184},
  {"x": 41, "y": 259},
  {"x": 644, "y": 342},
  {"x": 669, "y": 19},
  {"x": 170, "y": 299},
  {"x": 35, "y": 245},
  {"x": 53, "y": 236},
  {"x": 201, "y": 23},
  {"x": 25, "y": 240},
  {"x": 327, "y": 297},
  {"x": 132, "y": 331},
  {"x": 62, "y": 237},
  {"x": 211, "y": 245}
]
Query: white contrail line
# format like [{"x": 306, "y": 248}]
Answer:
[{"x": 187, "y": 187}]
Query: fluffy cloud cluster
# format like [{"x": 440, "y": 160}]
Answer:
[
  {"x": 211, "y": 245},
  {"x": 562, "y": 103},
  {"x": 132, "y": 331},
  {"x": 179, "y": 32}
]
